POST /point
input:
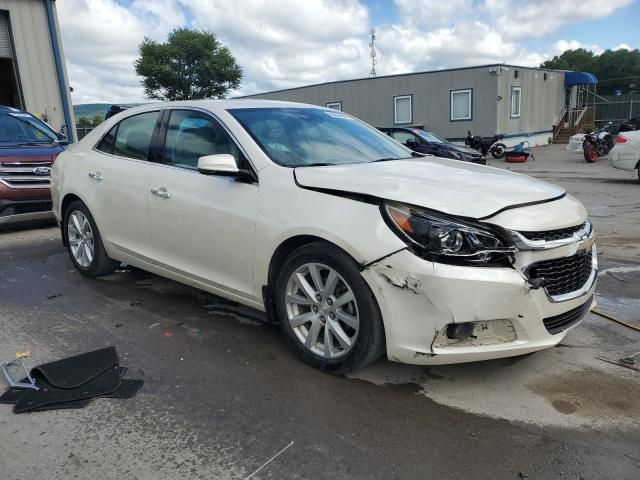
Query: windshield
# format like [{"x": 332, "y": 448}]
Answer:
[
  {"x": 297, "y": 137},
  {"x": 23, "y": 128},
  {"x": 430, "y": 137}
]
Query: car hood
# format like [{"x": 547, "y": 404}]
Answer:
[
  {"x": 449, "y": 186},
  {"x": 465, "y": 150},
  {"x": 10, "y": 153}
]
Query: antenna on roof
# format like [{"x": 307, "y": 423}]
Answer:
[{"x": 372, "y": 45}]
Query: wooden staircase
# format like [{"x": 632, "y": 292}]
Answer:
[{"x": 564, "y": 134}]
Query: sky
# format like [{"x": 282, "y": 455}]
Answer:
[{"x": 288, "y": 43}]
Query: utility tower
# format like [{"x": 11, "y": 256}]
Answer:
[{"x": 372, "y": 45}]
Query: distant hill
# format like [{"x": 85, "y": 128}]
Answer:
[{"x": 90, "y": 110}]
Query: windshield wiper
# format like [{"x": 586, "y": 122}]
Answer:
[
  {"x": 317, "y": 164},
  {"x": 389, "y": 159},
  {"x": 32, "y": 144}
]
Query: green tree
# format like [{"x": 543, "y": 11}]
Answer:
[
  {"x": 97, "y": 119},
  {"x": 83, "y": 122},
  {"x": 580, "y": 60},
  {"x": 189, "y": 65}
]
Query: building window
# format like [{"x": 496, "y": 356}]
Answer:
[
  {"x": 402, "y": 109},
  {"x": 516, "y": 95},
  {"x": 461, "y": 104},
  {"x": 335, "y": 105}
]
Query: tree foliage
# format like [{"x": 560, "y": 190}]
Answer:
[
  {"x": 615, "y": 69},
  {"x": 189, "y": 65}
]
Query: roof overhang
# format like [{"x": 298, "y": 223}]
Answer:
[{"x": 579, "y": 78}]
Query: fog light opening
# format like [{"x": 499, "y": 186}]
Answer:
[{"x": 460, "y": 331}]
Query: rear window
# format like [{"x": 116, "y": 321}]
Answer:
[{"x": 131, "y": 137}]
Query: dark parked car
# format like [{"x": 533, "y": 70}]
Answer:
[
  {"x": 423, "y": 141},
  {"x": 28, "y": 148},
  {"x": 630, "y": 125}
]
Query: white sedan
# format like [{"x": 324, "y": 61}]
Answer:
[
  {"x": 625, "y": 153},
  {"x": 355, "y": 245}
]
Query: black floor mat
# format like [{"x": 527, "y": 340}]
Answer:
[
  {"x": 48, "y": 394},
  {"x": 75, "y": 371},
  {"x": 73, "y": 383}
]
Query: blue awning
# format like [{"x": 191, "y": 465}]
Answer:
[{"x": 579, "y": 78}]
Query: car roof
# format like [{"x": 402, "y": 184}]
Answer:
[{"x": 218, "y": 105}]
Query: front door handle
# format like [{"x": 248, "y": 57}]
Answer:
[
  {"x": 161, "y": 192},
  {"x": 95, "y": 176}
]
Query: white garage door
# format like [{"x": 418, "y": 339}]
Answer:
[{"x": 5, "y": 42}]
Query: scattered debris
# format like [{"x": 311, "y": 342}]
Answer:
[
  {"x": 609, "y": 272},
  {"x": 626, "y": 362},
  {"x": 168, "y": 334},
  {"x": 614, "y": 319},
  {"x": 136, "y": 304},
  {"x": 154, "y": 325},
  {"x": 55, "y": 295},
  {"x": 118, "y": 325},
  {"x": 270, "y": 460},
  {"x": 23, "y": 354}
]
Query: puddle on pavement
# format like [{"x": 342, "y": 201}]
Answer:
[{"x": 591, "y": 393}]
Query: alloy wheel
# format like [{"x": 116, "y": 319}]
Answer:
[
  {"x": 80, "y": 236},
  {"x": 322, "y": 310}
]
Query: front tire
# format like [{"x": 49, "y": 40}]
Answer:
[
  {"x": 84, "y": 243},
  {"x": 327, "y": 312}
]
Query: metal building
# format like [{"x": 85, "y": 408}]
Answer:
[
  {"x": 520, "y": 102},
  {"x": 33, "y": 76}
]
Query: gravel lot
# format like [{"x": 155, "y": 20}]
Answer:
[{"x": 223, "y": 394}]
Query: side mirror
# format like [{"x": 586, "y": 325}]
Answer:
[{"x": 217, "y": 164}]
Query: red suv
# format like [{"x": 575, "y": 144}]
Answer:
[{"x": 28, "y": 148}]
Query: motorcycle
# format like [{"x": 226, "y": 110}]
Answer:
[
  {"x": 598, "y": 143},
  {"x": 486, "y": 144}
]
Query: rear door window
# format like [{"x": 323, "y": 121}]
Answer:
[
  {"x": 131, "y": 137},
  {"x": 403, "y": 136}
]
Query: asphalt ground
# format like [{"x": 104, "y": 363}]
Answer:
[{"x": 223, "y": 394}]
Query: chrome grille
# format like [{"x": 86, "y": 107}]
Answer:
[
  {"x": 22, "y": 175},
  {"x": 563, "y": 275},
  {"x": 551, "y": 235}
]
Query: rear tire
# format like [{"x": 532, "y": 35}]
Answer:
[
  {"x": 497, "y": 151},
  {"x": 324, "y": 329},
  {"x": 590, "y": 153},
  {"x": 84, "y": 243}
]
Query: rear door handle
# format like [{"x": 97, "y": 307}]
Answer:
[
  {"x": 95, "y": 176},
  {"x": 161, "y": 192}
]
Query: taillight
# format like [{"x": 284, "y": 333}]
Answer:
[{"x": 621, "y": 139}]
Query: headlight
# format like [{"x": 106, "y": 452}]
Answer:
[{"x": 436, "y": 237}]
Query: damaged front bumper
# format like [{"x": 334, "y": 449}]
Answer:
[{"x": 502, "y": 312}]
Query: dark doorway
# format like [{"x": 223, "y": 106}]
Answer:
[{"x": 9, "y": 92}]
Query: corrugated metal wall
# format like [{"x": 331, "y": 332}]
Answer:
[
  {"x": 34, "y": 59},
  {"x": 5, "y": 42},
  {"x": 372, "y": 99},
  {"x": 541, "y": 100}
]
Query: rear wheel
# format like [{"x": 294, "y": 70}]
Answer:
[
  {"x": 498, "y": 150},
  {"x": 590, "y": 153},
  {"x": 327, "y": 312},
  {"x": 84, "y": 243}
]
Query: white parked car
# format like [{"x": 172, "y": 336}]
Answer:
[
  {"x": 353, "y": 243},
  {"x": 625, "y": 153}
]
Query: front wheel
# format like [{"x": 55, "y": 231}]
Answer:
[
  {"x": 590, "y": 152},
  {"x": 326, "y": 310},
  {"x": 497, "y": 151},
  {"x": 84, "y": 243}
]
